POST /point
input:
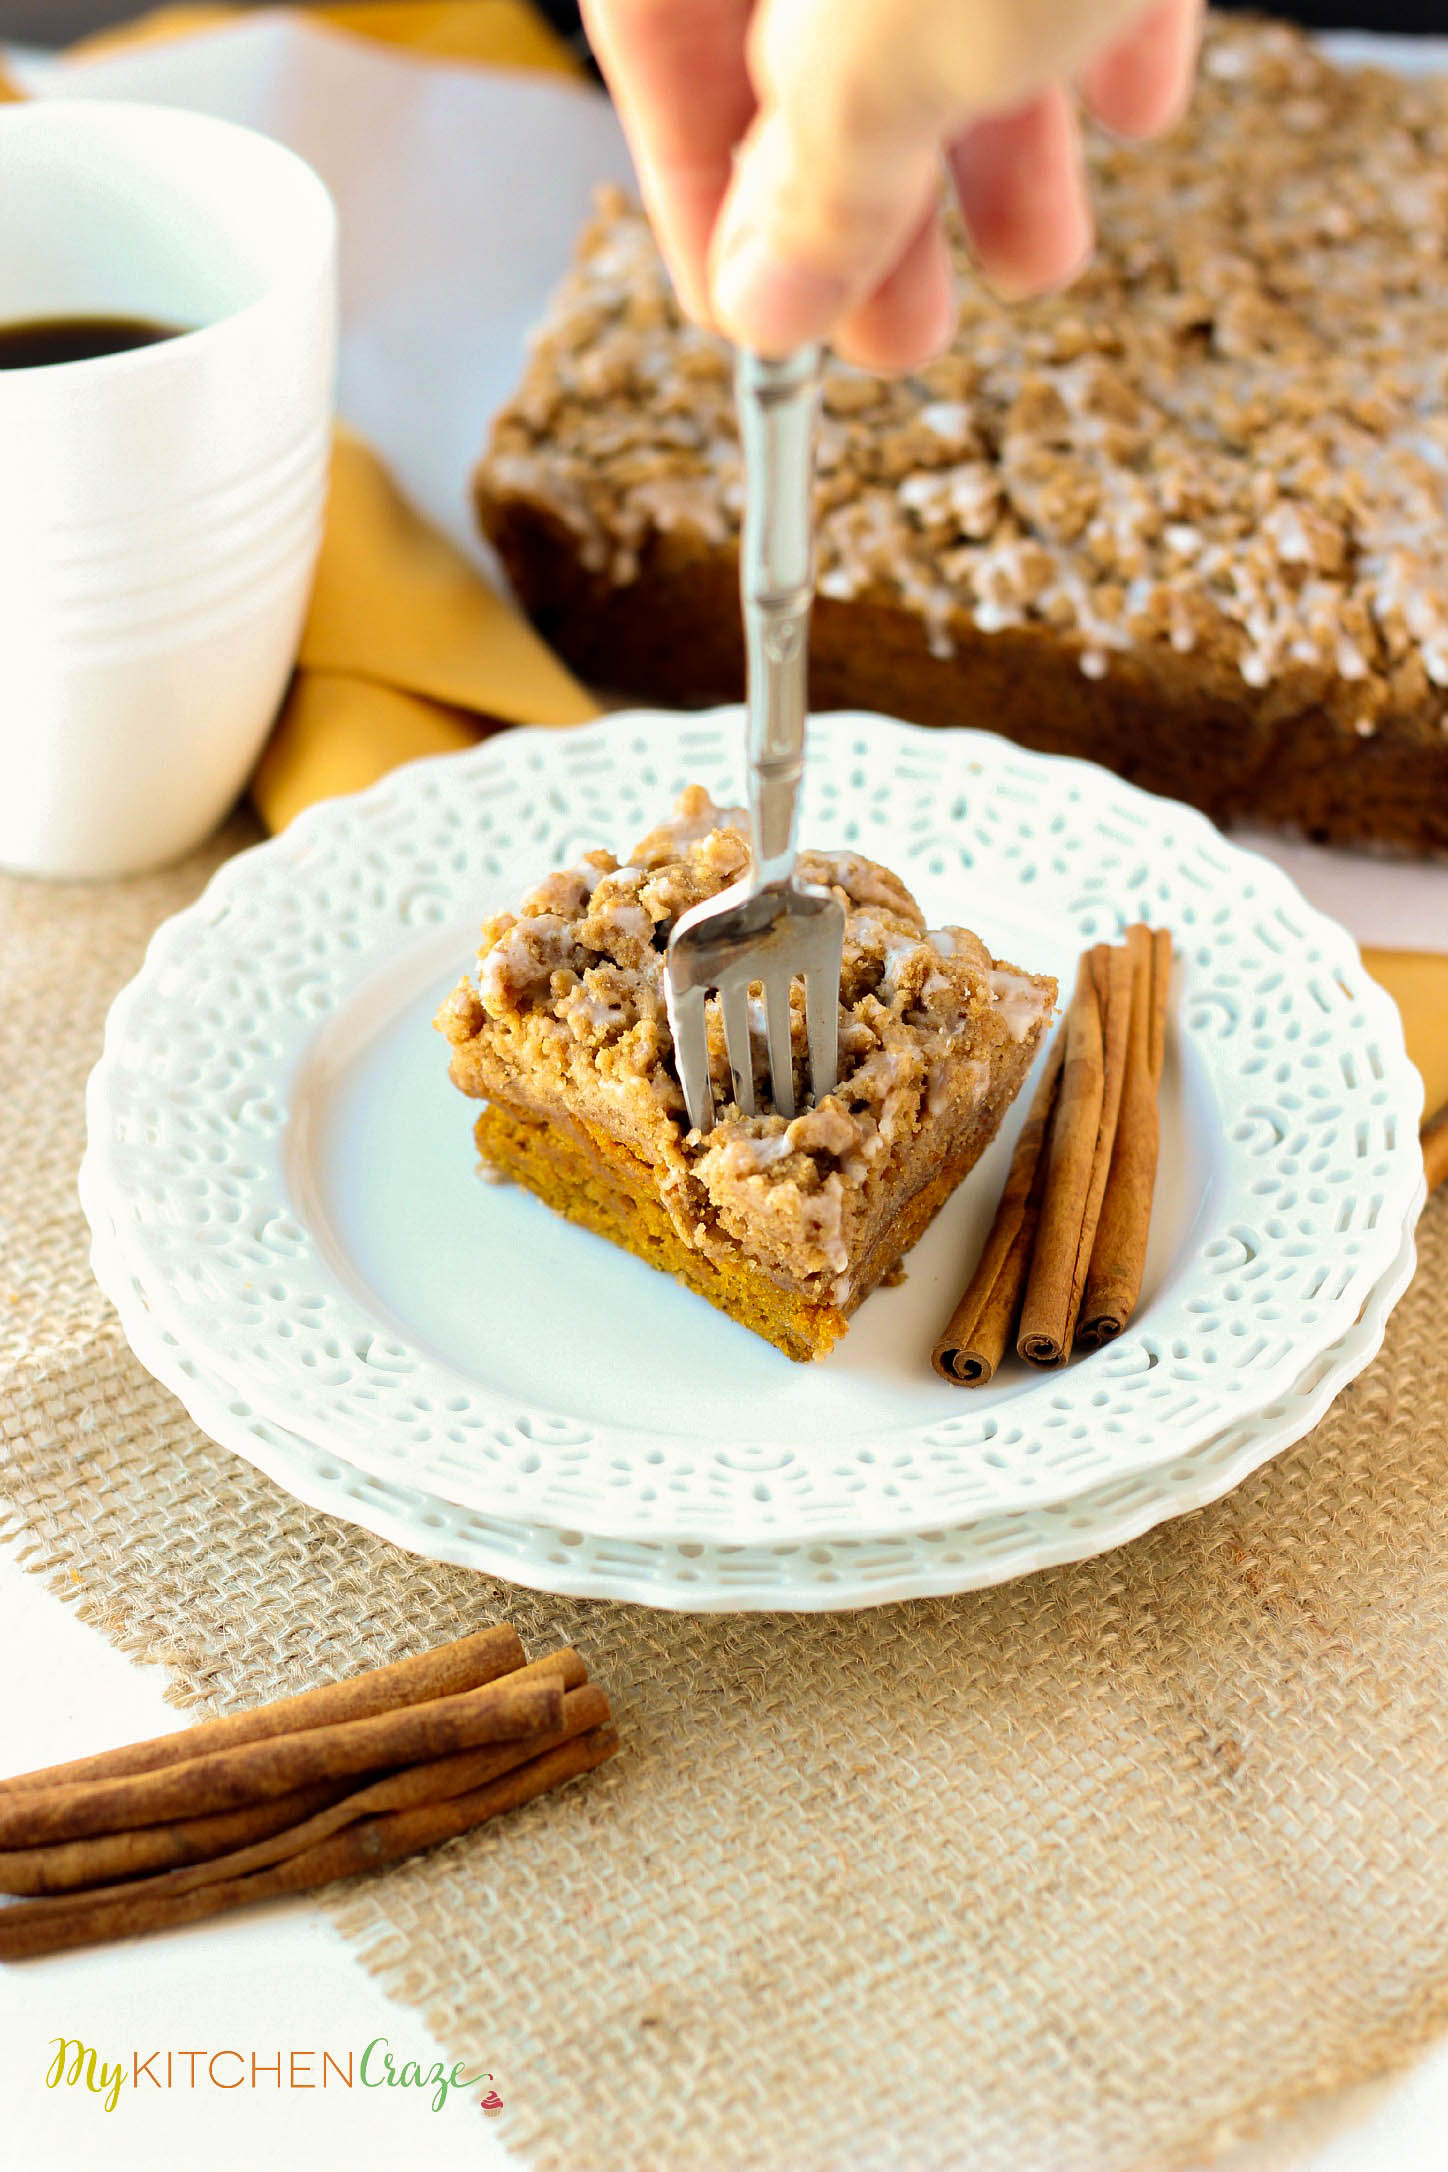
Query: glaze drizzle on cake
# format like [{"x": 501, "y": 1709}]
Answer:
[{"x": 1229, "y": 439}]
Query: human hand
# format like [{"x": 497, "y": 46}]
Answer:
[{"x": 790, "y": 152}]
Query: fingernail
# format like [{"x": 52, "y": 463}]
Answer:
[{"x": 768, "y": 303}]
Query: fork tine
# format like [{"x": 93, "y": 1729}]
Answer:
[
  {"x": 822, "y": 1020},
  {"x": 734, "y": 1004},
  {"x": 689, "y": 1027},
  {"x": 781, "y": 1054}
]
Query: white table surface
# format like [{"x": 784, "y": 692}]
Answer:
[{"x": 279, "y": 1979}]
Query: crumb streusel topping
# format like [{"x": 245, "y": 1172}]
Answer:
[
  {"x": 568, "y": 995},
  {"x": 1230, "y": 438}
]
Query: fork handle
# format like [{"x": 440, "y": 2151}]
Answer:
[{"x": 776, "y": 402}]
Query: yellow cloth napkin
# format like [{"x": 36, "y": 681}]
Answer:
[
  {"x": 1417, "y": 981},
  {"x": 496, "y": 33},
  {"x": 406, "y": 652}
]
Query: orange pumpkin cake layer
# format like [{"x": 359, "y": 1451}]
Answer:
[{"x": 785, "y": 1225}]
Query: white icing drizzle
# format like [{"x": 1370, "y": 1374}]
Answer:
[
  {"x": 1019, "y": 1001},
  {"x": 1230, "y": 438}
]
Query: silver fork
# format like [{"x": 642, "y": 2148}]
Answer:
[{"x": 769, "y": 927}]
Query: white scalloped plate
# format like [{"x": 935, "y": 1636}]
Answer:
[
  {"x": 276, "y": 1159},
  {"x": 814, "y": 1578}
]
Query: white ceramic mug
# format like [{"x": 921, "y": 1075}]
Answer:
[{"x": 160, "y": 509}]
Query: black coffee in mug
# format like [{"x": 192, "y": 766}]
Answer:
[{"x": 37, "y": 342}]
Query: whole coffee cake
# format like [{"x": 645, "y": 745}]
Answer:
[
  {"x": 1189, "y": 518},
  {"x": 787, "y": 1226}
]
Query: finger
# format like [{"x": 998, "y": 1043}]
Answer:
[
  {"x": 1022, "y": 190},
  {"x": 679, "y": 80},
  {"x": 1141, "y": 84},
  {"x": 807, "y": 232},
  {"x": 909, "y": 318}
]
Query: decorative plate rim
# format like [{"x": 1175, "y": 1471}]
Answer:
[
  {"x": 372, "y": 1388},
  {"x": 575, "y": 1566}
]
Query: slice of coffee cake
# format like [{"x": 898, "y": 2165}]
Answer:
[{"x": 786, "y": 1226}]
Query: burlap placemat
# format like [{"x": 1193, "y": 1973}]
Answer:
[{"x": 1085, "y": 1874}]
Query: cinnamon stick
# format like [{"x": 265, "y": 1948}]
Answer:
[
  {"x": 1160, "y": 978},
  {"x": 1435, "y": 1150},
  {"x": 499, "y": 1711},
  {"x": 974, "y": 1339},
  {"x": 1118, "y": 1260},
  {"x": 106, "y": 1856},
  {"x": 1111, "y": 971},
  {"x": 584, "y": 1709},
  {"x": 1042, "y": 1338},
  {"x": 35, "y": 1927},
  {"x": 566, "y": 1663},
  {"x": 466, "y": 1663},
  {"x": 159, "y": 1848}
]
